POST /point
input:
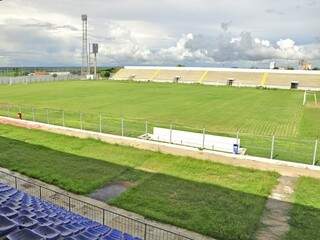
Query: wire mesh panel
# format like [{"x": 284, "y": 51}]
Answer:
[
  {"x": 256, "y": 145},
  {"x": 27, "y": 112},
  {"x": 54, "y": 117},
  {"x": 89, "y": 122},
  {"x": 87, "y": 210},
  {"x": 111, "y": 125},
  {"x": 54, "y": 197},
  {"x": 154, "y": 233},
  {"x": 133, "y": 128},
  {"x": 7, "y": 179},
  {"x": 71, "y": 119},
  {"x": 295, "y": 150},
  {"x": 28, "y": 187},
  {"x": 41, "y": 115},
  {"x": 124, "y": 224}
]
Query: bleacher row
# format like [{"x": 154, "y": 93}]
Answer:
[
  {"x": 240, "y": 77},
  {"x": 24, "y": 217}
]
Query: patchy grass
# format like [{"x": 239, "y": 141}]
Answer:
[
  {"x": 213, "y": 199},
  {"x": 305, "y": 215}
]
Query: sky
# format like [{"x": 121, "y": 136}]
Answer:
[{"x": 224, "y": 33}]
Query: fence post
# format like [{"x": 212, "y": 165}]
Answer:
[
  {"x": 122, "y": 127},
  {"x": 33, "y": 116},
  {"x": 40, "y": 192},
  {"x": 69, "y": 203},
  {"x": 272, "y": 147},
  {"x": 203, "y": 137},
  {"x": 238, "y": 138},
  {"x": 171, "y": 133},
  {"x": 100, "y": 123},
  {"x": 145, "y": 232},
  {"x": 81, "y": 121},
  {"x": 47, "y": 115},
  {"x": 146, "y": 128},
  {"x": 63, "y": 123},
  {"x": 315, "y": 153},
  {"x": 104, "y": 217},
  {"x": 15, "y": 182}
]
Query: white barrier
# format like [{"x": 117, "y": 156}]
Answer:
[
  {"x": 198, "y": 140},
  {"x": 34, "y": 79}
]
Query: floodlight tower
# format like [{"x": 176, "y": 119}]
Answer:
[
  {"x": 85, "y": 68},
  {"x": 95, "y": 49}
]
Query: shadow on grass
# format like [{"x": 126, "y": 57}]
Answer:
[{"x": 209, "y": 209}]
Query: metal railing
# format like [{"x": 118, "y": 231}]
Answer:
[{"x": 101, "y": 215}]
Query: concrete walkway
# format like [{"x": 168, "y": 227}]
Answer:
[{"x": 274, "y": 222}]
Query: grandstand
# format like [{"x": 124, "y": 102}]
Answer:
[
  {"x": 307, "y": 80},
  {"x": 26, "y": 217}
]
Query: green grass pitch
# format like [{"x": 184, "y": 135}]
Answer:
[{"x": 256, "y": 113}]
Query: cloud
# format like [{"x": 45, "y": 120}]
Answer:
[
  {"x": 226, "y": 25},
  {"x": 274, "y": 11},
  {"x": 33, "y": 43},
  {"x": 161, "y": 32}
]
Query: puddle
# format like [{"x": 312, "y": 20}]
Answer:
[{"x": 110, "y": 191}]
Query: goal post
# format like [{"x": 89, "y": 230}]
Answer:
[{"x": 309, "y": 94}]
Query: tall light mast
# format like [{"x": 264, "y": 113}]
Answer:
[{"x": 85, "y": 68}]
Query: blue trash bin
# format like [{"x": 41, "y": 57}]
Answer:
[{"x": 236, "y": 148}]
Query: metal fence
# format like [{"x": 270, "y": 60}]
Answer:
[
  {"x": 101, "y": 215},
  {"x": 34, "y": 79},
  {"x": 301, "y": 150}
]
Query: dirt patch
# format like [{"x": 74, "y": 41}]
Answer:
[{"x": 110, "y": 191}]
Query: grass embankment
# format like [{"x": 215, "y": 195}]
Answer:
[
  {"x": 213, "y": 199},
  {"x": 305, "y": 215}
]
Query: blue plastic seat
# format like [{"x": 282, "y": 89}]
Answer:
[
  {"x": 47, "y": 232},
  {"x": 40, "y": 214},
  {"x": 25, "y": 217},
  {"x": 127, "y": 237},
  {"x": 24, "y": 234},
  {"x": 9, "y": 192},
  {"x": 64, "y": 232},
  {"x": 25, "y": 222},
  {"x": 82, "y": 237},
  {"x": 27, "y": 213},
  {"x": 72, "y": 228},
  {"x": 12, "y": 205},
  {"x": 89, "y": 235},
  {"x": 6, "y": 226},
  {"x": 44, "y": 222},
  {"x": 8, "y": 212}
]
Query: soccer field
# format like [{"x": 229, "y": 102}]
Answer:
[{"x": 256, "y": 113}]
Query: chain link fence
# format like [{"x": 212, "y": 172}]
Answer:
[{"x": 293, "y": 149}]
